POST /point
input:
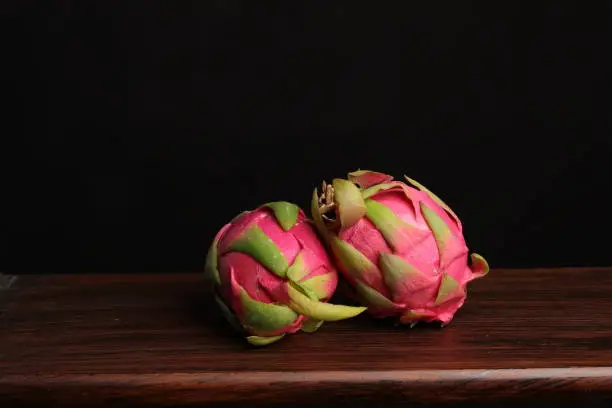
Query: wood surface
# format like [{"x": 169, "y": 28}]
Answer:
[{"x": 154, "y": 340}]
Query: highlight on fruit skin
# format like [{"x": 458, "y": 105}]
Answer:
[
  {"x": 399, "y": 246},
  {"x": 272, "y": 274}
]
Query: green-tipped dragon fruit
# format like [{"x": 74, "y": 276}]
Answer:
[
  {"x": 272, "y": 274},
  {"x": 399, "y": 247}
]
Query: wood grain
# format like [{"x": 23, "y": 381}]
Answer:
[{"x": 153, "y": 340}]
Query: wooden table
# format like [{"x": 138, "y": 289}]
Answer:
[{"x": 152, "y": 340}]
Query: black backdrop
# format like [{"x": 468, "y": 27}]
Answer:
[{"x": 134, "y": 130}]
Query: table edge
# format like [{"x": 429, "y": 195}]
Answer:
[
  {"x": 6, "y": 282},
  {"x": 418, "y": 386}
]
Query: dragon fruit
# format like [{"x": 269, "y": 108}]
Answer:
[
  {"x": 400, "y": 248},
  {"x": 272, "y": 274}
]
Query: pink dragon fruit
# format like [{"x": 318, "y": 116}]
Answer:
[
  {"x": 400, "y": 248},
  {"x": 272, "y": 274}
]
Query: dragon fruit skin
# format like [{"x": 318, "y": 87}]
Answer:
[
  {"x": 272, "y": 274},
  {"x": 400, "y": 248}
]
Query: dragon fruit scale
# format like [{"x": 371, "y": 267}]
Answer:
[
  {"x": 400, "y": 247},
  {"x": 272, "y": 274}
]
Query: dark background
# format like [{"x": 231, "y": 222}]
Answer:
[{"x": 132, "y": 131}]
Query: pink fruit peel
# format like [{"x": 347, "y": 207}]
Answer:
[
  {"x": 272, "y": 274},
  {"x": 399, "y": 246}
]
